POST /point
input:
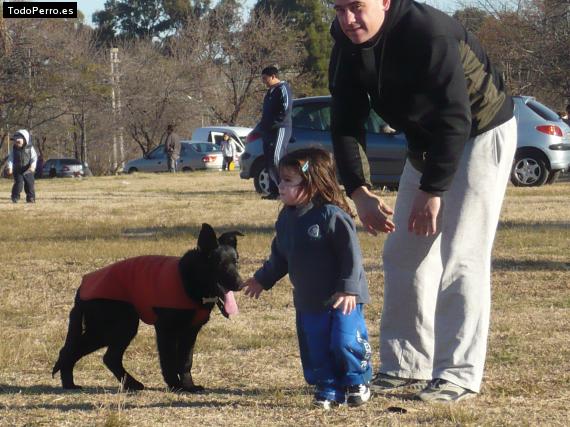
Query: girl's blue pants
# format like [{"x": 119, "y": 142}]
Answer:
[{"x": 334, "y": 351}]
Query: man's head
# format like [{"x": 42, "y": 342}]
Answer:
[
  {"x": 270, "y": 76},
  {"x": 170, "y": 128},
  {"x": 360, "y": 20}
]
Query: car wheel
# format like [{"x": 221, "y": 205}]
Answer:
[
  {"x": 261, "y": 180},
  {"x": 529, "y": 170},
  {"x": 187, "y": 169},
  {"x": 553, "y": 177},
  {"x": 133, "y": 170}
]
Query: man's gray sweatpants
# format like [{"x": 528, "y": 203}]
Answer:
[{"x": 437, "y": 291}]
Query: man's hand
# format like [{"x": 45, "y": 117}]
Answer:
[
  {"x": 252, "y": 288},
  {"x": 8, "y": 172},
  {"x": 372, "y": 211},
  {"x": 423, "y": 217}
]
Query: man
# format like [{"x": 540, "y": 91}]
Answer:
[
  {"x": 275, "y": 124},
  {"x": 426, "y": 76},
  {"x": 567, "y": 119},
  {"x": 22, "y": 163},
  {"x": 171, "y": 147}
]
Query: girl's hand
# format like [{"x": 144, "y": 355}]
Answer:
[
  {"x": 252, "y": 288},
  {"x": 344, "y": 302}
]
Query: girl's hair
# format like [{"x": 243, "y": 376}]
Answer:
[{"x": 318, "y": 171}]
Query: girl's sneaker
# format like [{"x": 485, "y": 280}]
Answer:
[
  {"x": 326, "y": 404},
  {"x": 357, "y": 395}
]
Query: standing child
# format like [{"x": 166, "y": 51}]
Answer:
[
  {"x": 316, "y": 243},
  {"x": 22, "y": 163},
  {"x": 228, "y": 146}
]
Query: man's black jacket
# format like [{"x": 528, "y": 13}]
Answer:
[{"x": 426, "y": 76}]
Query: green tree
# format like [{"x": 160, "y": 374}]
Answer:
[
  {"x": 312, "y": 18},
  {"x": 145, "y": 19}
]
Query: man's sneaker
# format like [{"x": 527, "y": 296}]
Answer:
[
  {"x": 14, "y": 200},
  {"x": 386, "y": 384},
  {"x": 323, "y": 403},
  {"x": 357, "y": 395},
  {"x": 440, "y": 390}
]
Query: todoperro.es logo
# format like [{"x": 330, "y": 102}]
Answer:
[{"x": 39, "y": 10}]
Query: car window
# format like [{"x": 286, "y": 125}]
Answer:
[
  {"x": 205, "y": 147},
  {"x": 375, "y": 123},
  {"x": 183, "y": 149},
  {"x": 70, "y": 162},
  {"x": 314, "y": 116},
  {"x": 543, "y": 111},
  {"x": 157, "y": 153}
]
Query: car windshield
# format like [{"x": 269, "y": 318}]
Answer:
[
  {"x": 543, "y": 111},
  {"x": 70, "y": 162},
  {"x": 205, "y": 147}
]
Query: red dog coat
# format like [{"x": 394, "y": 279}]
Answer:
[{"x": 145, "y": 282}]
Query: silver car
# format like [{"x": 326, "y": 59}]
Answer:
[
  {"x": 543, "y": 148},
  {"x": 386, "y": 148},
  {"x": 62, "y": 168},
  {"x": 193, "y": 156}
]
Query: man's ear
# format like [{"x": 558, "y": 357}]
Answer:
[
  {"x": 207, "y": 241},
  {"x": 229, "y": 238}
]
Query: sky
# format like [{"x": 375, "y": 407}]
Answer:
[{"x": 90, "y": 6}]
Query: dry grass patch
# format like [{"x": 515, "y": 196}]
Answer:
[{"x": 250, "y": 365}]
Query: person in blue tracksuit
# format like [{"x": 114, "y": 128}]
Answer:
[
  {"x": 317, "y": 245},
  {"x": 275, "y": 124}
]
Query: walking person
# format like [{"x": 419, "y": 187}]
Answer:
[
  {"x": 275, "y": 125},
  {"x": 171, "y": 148},
  {"x": 22, "y": 164},
  {"x": 316, "y": 243},
  {"x": 229, "y": 151},
  {"x": 429, "y": 78}
]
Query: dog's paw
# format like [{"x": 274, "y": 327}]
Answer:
[
  {"x": 133, "y": 385},
  {"x": 187, "y": 389}
]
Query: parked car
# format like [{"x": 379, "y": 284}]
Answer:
[
  {"x": 386, "y": 149},
  {"x": 543, "y": 148},
  {"x": 214, "y": 134},
  {"x": 62, "y": 168},
  {"x": 193, "y": 156}
]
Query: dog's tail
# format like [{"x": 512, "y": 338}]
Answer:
[{"x": 74, "y": 332}]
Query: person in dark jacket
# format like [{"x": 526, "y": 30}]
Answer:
[
  {"x": 429, "y": 78},
  {"x": 275, "y": 124},
  {"x": 316, "y": 244},
  {"x": 22, "y": 163},
  {"x": 171, "y": 148}
]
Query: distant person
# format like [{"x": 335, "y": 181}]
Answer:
[
  {"x": 316, "y": 243},
  {"x": 275, "y": 125},
  {"x": 171, "y": 148},
  {"x": 22, "y": 164},
  {"x": 229, "y": 150},
  {"x": 567, "y": 119}
]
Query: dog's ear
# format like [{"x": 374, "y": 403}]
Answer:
[
  {"x": 229, "y": 238},
  {"x": 207, "y": 241}
]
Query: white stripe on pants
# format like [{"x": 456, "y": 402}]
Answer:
[{"x": 435, "y": 318}]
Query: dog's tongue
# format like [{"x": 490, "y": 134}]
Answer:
[{"x": 230, "y": 304}]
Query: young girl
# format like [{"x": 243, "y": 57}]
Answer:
[{"x": 316, "y": 243}]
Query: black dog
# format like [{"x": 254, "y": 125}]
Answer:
[{"x": 175, "y": 294}]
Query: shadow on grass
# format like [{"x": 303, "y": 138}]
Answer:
[
  {"x": 538, "y": 226},
  {"x": 43, "y": 389},
  {"x": 193, "y": 230},
  {"x": 501, "y": 264}
]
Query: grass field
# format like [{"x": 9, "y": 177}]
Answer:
[{"x": 250, "y": 365}]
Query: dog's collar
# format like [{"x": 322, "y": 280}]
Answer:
[{"x": 209, "y": 300}]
